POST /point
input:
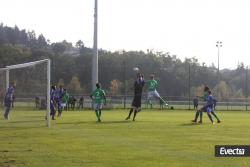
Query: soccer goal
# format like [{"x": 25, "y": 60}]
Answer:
[{"x": 32, "y": 80}]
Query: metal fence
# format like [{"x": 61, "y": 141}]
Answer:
[{"x": 116, "y": 102}]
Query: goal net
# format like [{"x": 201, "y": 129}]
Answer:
[{"x": 32, "y": 82}]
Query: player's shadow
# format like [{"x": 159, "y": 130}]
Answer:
[
  {"x": 115, "y": 122},
  {"x": 92, "y": 122},
  {"x": 26, "y": 121},
  {"x": 21, "y": 124},
  {"x": 189, "y": 124},
  {"x": 73, "y": 123}
]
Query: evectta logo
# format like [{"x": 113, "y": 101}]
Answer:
[
  {"x": 232, "y": 150},
  {"x": 236, "y": 151}
]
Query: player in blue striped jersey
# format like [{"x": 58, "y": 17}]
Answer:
[{"x": 8, "y": 100}]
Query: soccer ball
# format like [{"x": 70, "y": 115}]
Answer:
[{"x": 136, "y": 69}]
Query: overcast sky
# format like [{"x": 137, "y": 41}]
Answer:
[{"x": 186, "y": 28}]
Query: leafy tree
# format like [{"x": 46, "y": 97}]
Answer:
[
  {"x": 19, "y": 46},
  {"x": 60, "y": 82},
  {"x": 114, "y": 87},
  {"x": 58, "y": 48},
  {"x": 10, "y": 54},
  {"x": 79, "y": 44},
  {"x": 222, "y": 90},
  {"x": 74, "y": 86},
  {"x": 41, "y": 41}
]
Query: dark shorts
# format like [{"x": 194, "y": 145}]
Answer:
[
  {"x": 52, "y": 109},
  {"x": 7, "y": 102},
  {"x": 136, "y": 102}
]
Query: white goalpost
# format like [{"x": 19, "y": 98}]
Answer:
[{"x": 7, "y": 70}]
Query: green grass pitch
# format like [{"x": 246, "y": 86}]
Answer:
[{"x": 155, "y": 139}]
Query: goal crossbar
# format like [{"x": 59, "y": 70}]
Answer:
[{"x": 23, "y": 65}]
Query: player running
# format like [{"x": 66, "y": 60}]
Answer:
[
  {"x": 152, "y": 92},
  {"x": 98, "y": 95},
  {"x": 136, "y": 104}
]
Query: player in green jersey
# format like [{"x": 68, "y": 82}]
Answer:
[
  {"x": 65, "y": 99},
  {"x": 98, "y": 95},
  {"x": 152, "y": 92}
]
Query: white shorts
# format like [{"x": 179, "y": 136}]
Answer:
[
  {"x": 97, "y": 106},
  {"x": 152, "y": 94},
  {"x": 63, "y": 105}
]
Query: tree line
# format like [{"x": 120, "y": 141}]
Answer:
[{"x": 71, "y": 67}]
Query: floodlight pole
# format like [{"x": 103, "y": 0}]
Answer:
[
  {"x": 218, "y": 45},
  {"x": 95, "y": 49},
  {"x": 189, "y": 85},
  {"x": 121, "y": 52},
  {"x": 48, "y": 92},
  {"x": 246, "y": 85}
]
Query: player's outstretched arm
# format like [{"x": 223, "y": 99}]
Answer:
[
  {"x": 104, "y": 97},
  {"x": 201, "y": 97},
  {"x": 105, "y": 102}
]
